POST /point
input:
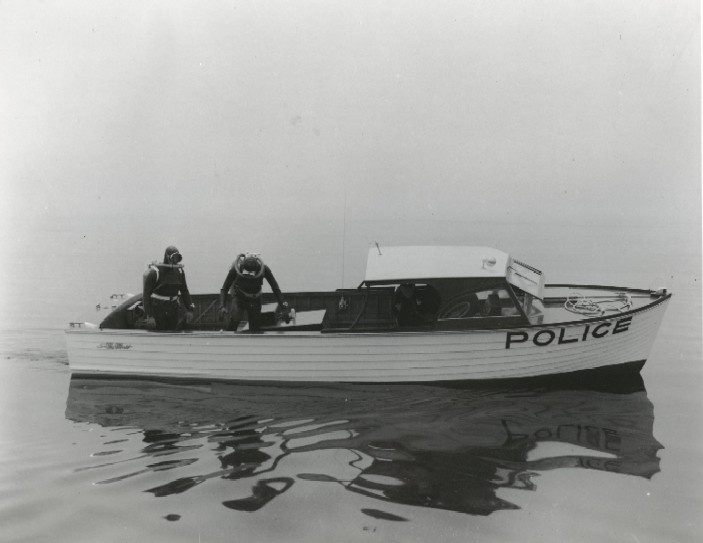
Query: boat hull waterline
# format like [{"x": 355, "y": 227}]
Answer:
[{"x": 407, "y": 356}]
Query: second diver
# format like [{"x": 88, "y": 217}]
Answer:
[{"x": 243, "y": 287}]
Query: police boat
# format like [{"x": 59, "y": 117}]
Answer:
[{"x": 421, "y": 314}]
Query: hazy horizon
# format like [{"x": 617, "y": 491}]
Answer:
[{"x": 557, "y": 111}]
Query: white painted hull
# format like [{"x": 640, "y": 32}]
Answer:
[{"x": 368, "y": 357}]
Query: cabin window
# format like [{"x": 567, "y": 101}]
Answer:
[{"x": 480, "y": 303}]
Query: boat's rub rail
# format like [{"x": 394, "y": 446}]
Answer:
[{"x": 607, "y": 288}]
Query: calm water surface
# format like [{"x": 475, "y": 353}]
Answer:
[{"x": 139, "y": 460}]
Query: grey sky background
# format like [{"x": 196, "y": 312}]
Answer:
[{"x": 544, "y": 110}]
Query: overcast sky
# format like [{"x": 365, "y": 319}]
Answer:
[{"x": 402, "y": 109}]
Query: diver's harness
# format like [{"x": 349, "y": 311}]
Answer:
[
  {"x": 285, "y": 313},
  {"x": 164, "y": 298},
  {"x": 258, "y": 275},
  {"x": 155, "y": 266},
  {"x": 160, "y": 297}
]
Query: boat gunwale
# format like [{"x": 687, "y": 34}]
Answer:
[{"x": 604, "y": 287}]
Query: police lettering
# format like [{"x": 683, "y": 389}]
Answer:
[{"x": 562, "y": 336}]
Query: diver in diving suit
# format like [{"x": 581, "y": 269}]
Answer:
[
  {"x": 244, "y": 282},
  {"x": 164, "y": 285}
]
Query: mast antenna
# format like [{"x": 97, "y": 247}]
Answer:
[{"x": 344, "y": 232}]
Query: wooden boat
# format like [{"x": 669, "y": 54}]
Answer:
[{"x": 475, "y": 313}]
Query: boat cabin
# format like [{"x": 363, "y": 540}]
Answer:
[{"x": 412, "y": 288}]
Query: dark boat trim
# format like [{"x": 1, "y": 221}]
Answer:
[{"x": 600, "y": 377}]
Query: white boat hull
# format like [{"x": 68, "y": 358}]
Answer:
[{"x": 370, "y": 357}]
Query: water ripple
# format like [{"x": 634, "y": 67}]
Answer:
[{"x": 436, "y": 447}]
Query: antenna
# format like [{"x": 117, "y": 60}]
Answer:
[{"x": 344, "y": 233}]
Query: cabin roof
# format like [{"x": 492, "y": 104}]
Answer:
[{"x": 411, "y": 263}]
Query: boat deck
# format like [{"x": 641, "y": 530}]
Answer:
[
  {"x": 565, "y": 303},
  {"x": 364, "y": 310}
]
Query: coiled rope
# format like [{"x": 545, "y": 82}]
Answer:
[{"x": 578, "y": 303}]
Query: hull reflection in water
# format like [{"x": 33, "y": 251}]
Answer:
[{"x": 428, "y": 446}]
